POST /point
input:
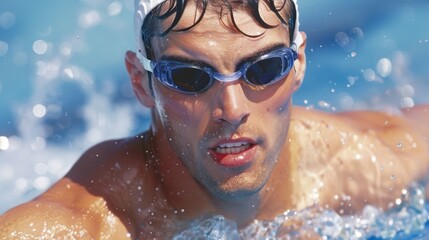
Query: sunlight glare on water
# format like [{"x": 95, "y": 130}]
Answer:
[{"x": 4, "y": 143}]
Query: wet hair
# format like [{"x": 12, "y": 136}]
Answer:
[{"x": 150, "y": 27}]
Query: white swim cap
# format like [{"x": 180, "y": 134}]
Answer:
[{"x": 143, "y": 7}]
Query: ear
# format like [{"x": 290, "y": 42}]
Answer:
[
  {"x": 139, "y": 79},
  {"x": 300, "y": 63}
]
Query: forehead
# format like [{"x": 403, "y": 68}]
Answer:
[{"x": 220, "y": 29}]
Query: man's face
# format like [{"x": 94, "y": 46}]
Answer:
[{"x": 230, "y": 136}]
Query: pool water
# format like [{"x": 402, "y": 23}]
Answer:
[{"x": 408, "y": 219}]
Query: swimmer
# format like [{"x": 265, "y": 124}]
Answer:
[{"x": 218, "y": 77}]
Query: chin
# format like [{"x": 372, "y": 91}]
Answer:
[{"x": 238, "y": 189}]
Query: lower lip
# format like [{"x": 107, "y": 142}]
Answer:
[{"x": 234, "y": 160}]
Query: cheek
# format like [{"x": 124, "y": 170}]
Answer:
[
  {"x": 281, "y": 104},
  {"x": 184, "y": 114}
]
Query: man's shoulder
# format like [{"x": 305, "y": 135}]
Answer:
[
  {"x": 35, "y": 218},
  {"x": 47, "y": 219},
  {"x": 110, "y": 157},
  {"x": 111, "y": 168},
  {"x": 93, "y": 198}
]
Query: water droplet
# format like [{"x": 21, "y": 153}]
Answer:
[
  {"x": 41, "y": 168},
  {"x": 40, "y": 47},
  {"x": 342, "y": 39},
  {"x": 38, "y": 144},
  {"x": 406, "y": 90},
  {"x": 4, "y": 47},
  {"x": 7, "y": 19},
  {"x": 369, "y": 74},
  {"x": 114, "y": 8},
  {"x": 324, "y": 104},
  {"x": 407, "y": 102},
  {"x": 89, "y": 19},
  {"x": 384, "y": 67},
  {"x": 39, "y": 110},
  {"x": 41, "y": 183},
  {"x": 69, "y": 73},
  {"x": 357, "y": 33},
  {"x": 4, "y": 143}
]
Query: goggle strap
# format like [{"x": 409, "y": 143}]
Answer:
[{"x": 146, "y": 63}]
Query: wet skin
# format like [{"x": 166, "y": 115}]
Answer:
[{"x": 152, "y": 184}]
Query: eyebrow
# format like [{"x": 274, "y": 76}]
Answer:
[
  {"x": 248, "y": 58},
  {"x": 187, "y": 60}
]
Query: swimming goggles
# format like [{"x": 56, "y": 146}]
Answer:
[{"x": 192, "y": 78}]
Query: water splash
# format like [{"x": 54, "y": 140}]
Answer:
[{"x": 405, "y": 221}]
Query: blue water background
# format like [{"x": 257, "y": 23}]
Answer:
[{"x": 63, "y": 85}]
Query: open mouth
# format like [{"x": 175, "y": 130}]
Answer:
[
  {"x": 232, "y": 148},
  {"x": 234, "y": 153}
]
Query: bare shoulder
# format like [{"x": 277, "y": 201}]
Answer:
[
  {"x": 39, "y": 219},
  {"x": 392, "y": 148},
  {"x": 50, "y": 218},
  {"x": 393, "y": 129},
  {"x": 92, "y": 201},
  {"x": 405, "y": 134}
]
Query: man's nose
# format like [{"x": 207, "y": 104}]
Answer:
[{"x": 231, "y": 104}]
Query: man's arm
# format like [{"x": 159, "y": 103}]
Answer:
[{"x": 394, "y": 153}]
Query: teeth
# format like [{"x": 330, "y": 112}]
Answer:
[
  {"x": 231, "y": 145},
  {"x": 232, "y": 148}
]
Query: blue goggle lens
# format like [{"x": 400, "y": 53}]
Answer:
[{"x": 191, "y": 79}]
